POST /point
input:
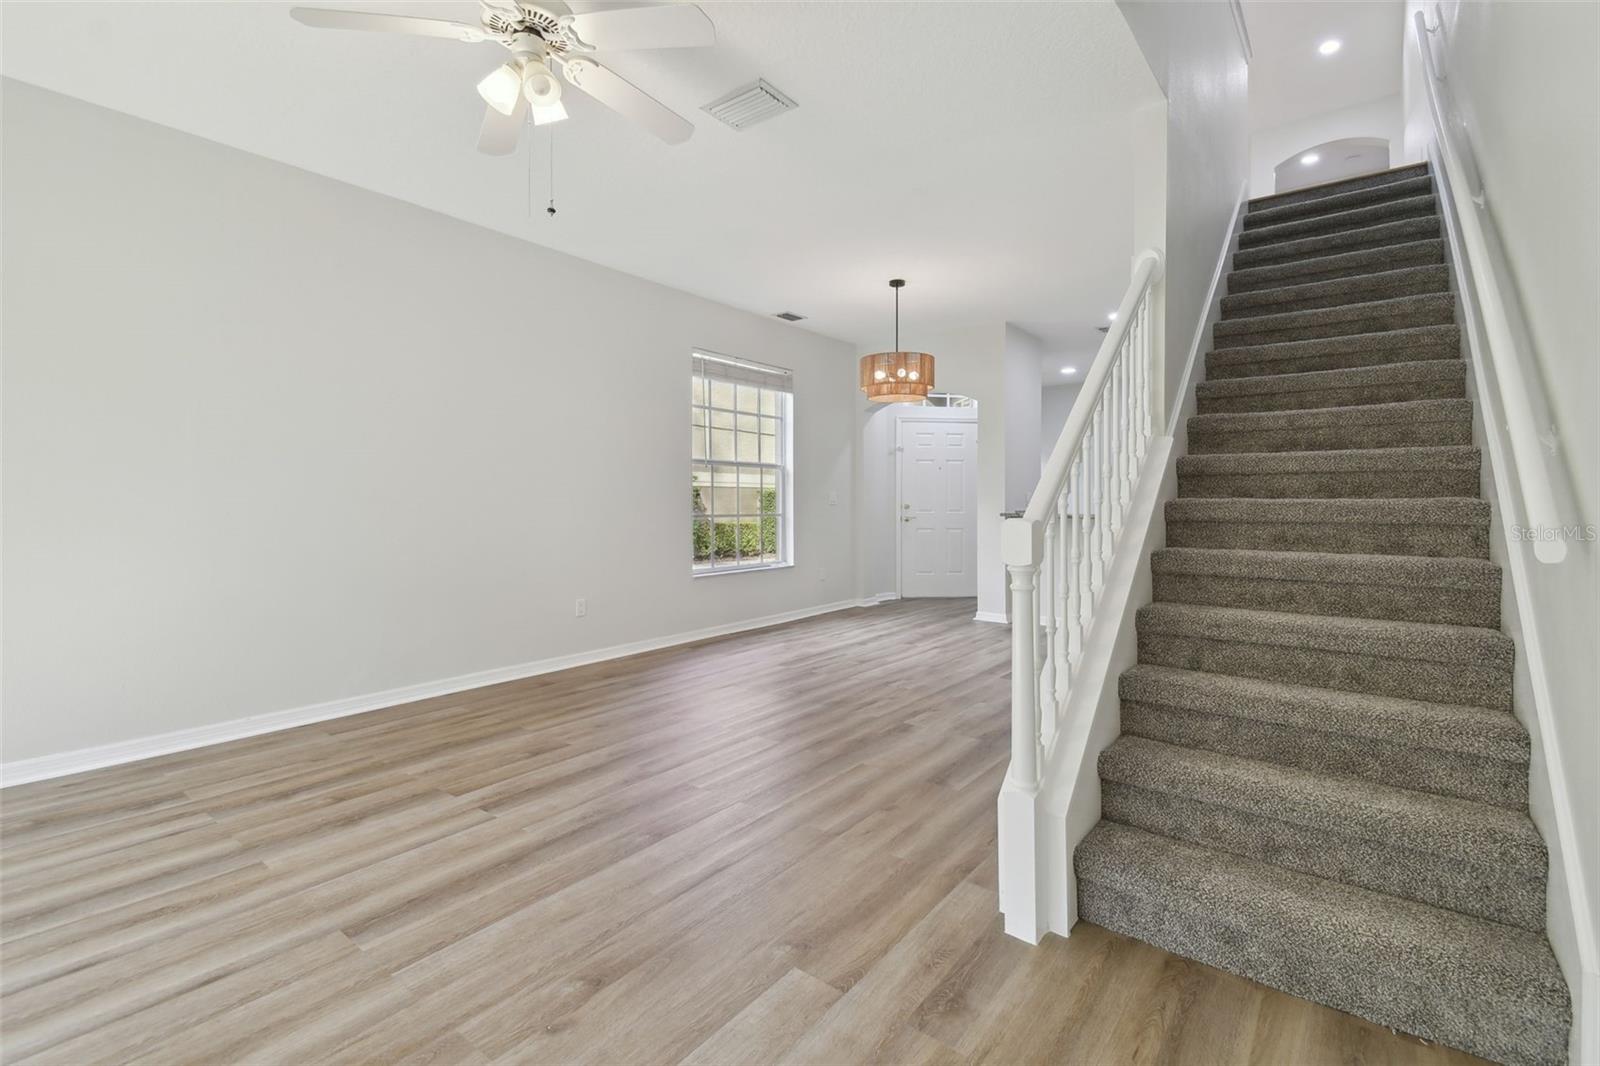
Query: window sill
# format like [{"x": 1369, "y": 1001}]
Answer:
[{"x": 725, "y": 571}]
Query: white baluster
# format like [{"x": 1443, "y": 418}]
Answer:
[
  {"x": 1124, "y": 437},
  {"x": 1075, "y": 565},
  {"x": 1047, "y": 664},
  {"x": 1058, "y": 600},
  {"x": 1107, "y": 501}
]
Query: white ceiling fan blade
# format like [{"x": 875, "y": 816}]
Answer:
[
  {"x": 327, "y": 19},
  {"x": 627, "y": 100},
  {"x": 499, "y": 133},
  {"x": 664, "y": 26}
]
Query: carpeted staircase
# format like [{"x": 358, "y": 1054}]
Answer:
[{"x": 1319, "y": 783}]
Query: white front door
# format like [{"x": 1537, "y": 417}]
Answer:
[{"x": 938, "y": 509}]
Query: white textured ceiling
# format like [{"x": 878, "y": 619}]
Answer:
[
  {"x": 1290, "y": 81},
  {"x": 972, "y": 148}
]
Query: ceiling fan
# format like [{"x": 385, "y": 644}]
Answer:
[{"x": 541, "y": 41}]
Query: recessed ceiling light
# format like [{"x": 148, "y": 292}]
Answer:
[
  {"x": 1310, "y": 159},
  {"x": 1330, "y": 46},
  {"x": 1112, "y": 317},
  {"x": 1069, "y": 370}
]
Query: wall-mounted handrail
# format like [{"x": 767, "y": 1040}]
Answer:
[{"x": 1516, "y": 406}]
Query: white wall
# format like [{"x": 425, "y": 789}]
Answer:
[
  {"x": 271, "y": 440},
  {"x": 1524, "y": 78},
  {"x": 1197, "y": 58},
  {"x": 1055, "y": 404},
  {"x": 1378, "y": 118},
  {"x": 1023, "y": 385}
]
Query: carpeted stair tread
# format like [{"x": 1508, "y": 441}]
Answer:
[
  {"x": 1411, "y": 588},
  {"x": 1473, "y": 753},
  {"x": 1333, "y": 460},
  {"x": 1363, "y": 216},
  {"x": 1432, "y": 526},
  {"x": 1411, "y": 660},
  {"x": 1402, "y": 312},
  {"x": 1268, "y": 215},
  {"x": 1473, "y": 857},
  {"x": 1346, "y": 351},
  {"x": 1448, "y": 727},
  {"x": 1336, "y": 292},
  {"x": 1313, "y": 193},
  {"x": 1381, "y": 235},
  {"x": 1338, "y": 265},
  {"x": 1390, "y": 473},
  {"x": 1405, "y": 424},
  {"x": 1455, "y": 645},
  {"x": 1491, "y": 989},
  {"x": 1350, "y": 387},
  {"x": 1416, "y": 571}
]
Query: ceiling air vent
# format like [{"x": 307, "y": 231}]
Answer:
[
  {"x": 744, "y": 107},
  {"x": 789, "y": 316}
]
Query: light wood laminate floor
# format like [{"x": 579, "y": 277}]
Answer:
[{"x": 774, "y": 847}]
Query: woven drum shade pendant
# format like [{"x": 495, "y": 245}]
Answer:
[{"x": 897, "y": 377}]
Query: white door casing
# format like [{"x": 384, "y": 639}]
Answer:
[{"x": 937, "y": 509}]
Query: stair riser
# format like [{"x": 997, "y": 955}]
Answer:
[
  {"x": 1405, "y": 231},
  {"x": 1332, "y": 268},
  {"x": 1369, "y": 670},
  {"x": 1257, "y": 217},
  {"x": 1383, "y": 179},
  {"x": 1310, "y": 399},
  {"x": 1263, "y": 366},
  {"x": 1206, "y": 440},
  {"x": 1434, "y": 541},
  {"x": 1400, "y": 603},
  {"x": 1363, "y": 485},
  {"x": 1507, "y": 889},
  {"x": 1248, "y": 332},
  {"x": 1252, "y": 305},
  {"x": 1342, "y": 975},
  {"x": 1340, "y": 222},
  {"x": 1503, "y": 783}
]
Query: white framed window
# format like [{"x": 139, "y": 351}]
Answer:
[{"x": 741, "y": 478}]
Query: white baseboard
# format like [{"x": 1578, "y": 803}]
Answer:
[
  {"x": 877, "y": 598},
  {"x": 998, "y": 617},
  {"x": 44, "y": 767}
]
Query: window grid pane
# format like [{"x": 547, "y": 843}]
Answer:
[{"x": 738, "y": 473}]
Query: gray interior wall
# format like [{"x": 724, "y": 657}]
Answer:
[{"x": 336, "y": 444}]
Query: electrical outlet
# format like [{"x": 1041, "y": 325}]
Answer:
[
  {"x": 833, "y": 497},
  {"x": 580, "y": 608},
  {"x": 822, "y": 573}
]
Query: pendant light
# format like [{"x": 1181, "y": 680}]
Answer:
[{"x": 897, "y": 377}]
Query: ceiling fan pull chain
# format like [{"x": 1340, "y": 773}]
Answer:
[{"x": 551, "y": 210}]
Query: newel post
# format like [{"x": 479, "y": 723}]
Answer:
[{"x": 1022, "y": 549}]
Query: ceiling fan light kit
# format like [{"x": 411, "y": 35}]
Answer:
[
  {"x": 897, "y": 377},
  {"x": 501, "y": 88},
  {"x": 542, "y": 43}
]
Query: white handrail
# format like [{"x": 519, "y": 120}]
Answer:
[
  {"x": 1533, "y": 474},
  {"x": 1053, "y": 479},
  {"x": 1062, "y": 546}
]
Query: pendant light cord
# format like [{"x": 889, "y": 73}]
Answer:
[{"x": 897, "y": 318}]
